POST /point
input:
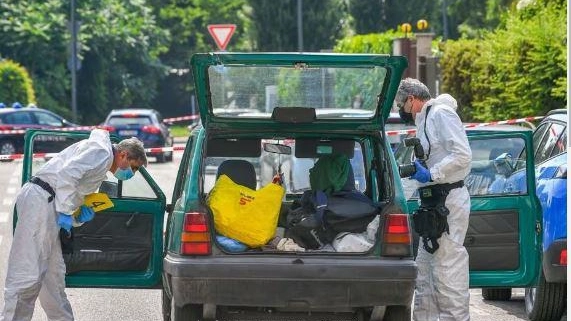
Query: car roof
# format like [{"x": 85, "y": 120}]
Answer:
[
  {"x": 503, "y": 128},
  {"x": 6, "y": 110},
  {"x": 558, "y": 114},
  {"x": 124, "y": 111}
]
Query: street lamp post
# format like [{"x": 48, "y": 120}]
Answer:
[
  {"x": 73, "y": 64},
  {"x": 299, "y": 26},
  {"x": 444, "y": 20}
]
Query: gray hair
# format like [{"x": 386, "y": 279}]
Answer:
[
  {"x": 134, "y": 148},
  {"x": 412, "y": 87}
]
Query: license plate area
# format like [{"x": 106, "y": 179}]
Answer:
[{"x": 128, "y": 133}]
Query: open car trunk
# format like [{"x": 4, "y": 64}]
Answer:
[{"x": 302, "y": 219}]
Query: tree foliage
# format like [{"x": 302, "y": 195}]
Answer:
[
  {"x": 15, "y": 84},
  {"x": 187, "y": 22},
  {"x": 519, "y": 70},
  {"x": 274, "y": 24},
  {"x": 119, "y": 44},
  {"x": 380, "y": 43}
]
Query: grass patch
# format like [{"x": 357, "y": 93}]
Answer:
[{"x": 179, "y": 131}]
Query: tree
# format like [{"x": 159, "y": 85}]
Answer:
[
  {"x": 119, "y": 47},
  {"x": 187, "y": 21},
  {"x": 274, "y": 24}
]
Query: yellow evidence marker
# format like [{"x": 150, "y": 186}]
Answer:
[{"x": 97, "y": 202}]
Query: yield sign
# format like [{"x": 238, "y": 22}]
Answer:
[{"x": 221, "y": 34}]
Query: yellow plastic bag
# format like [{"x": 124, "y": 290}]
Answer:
[
  {"x": 243, "y": 214},
  {"x": 97, "y": 202}
]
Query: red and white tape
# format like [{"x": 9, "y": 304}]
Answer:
[
  {"x": 81, "y": 128},
  {"x": 182, "y": 118},
  {"x": 501, "y": 122},
  {"x": 154, "y": 150},
  {"x": 181, "y": 147}
]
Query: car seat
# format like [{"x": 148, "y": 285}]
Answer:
[{"x": 240, "y": 171}]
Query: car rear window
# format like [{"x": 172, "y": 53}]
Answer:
[
  {"x": 23, "y": 118},
  {"x": 129, "y": 120}
]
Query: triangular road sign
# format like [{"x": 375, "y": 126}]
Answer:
[{"x": 221, "y": 34}]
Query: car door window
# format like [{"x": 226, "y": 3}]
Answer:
[
  {"x": 561, "y": 145},
  {"x": 19, "y": 118},
  {"x": 548, "y": 143},
  {"x": 494, "y": 167},
  {"x": 47, "y": 119},
  {"x": 136, "y": 187}
]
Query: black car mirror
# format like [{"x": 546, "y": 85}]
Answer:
[{"x": 277, "y": 148}]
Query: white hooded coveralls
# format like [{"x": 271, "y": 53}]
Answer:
[
  {"x": 442, "y": 291},
  {"x": 36, "y": 266}
]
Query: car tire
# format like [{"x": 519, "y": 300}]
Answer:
[
  {"x": 161, "y": 158},
  {"x": 497, "y": 294},
  {"x": 169, "y": 157},
  {"x": 189, "y": 312},
  {"x": 7, "y": 147},
  {"x": 166, "y": 305},
  {"x": 398, "y": 313},
  {"x": 546, "y": 301}
]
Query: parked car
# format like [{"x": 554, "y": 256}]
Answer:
[
  {"x": 201, "y": 279},
  {"x": 547, "y": 299},
  {"x": 145, "y": 124},
  {"x": 20, "y": 119}
]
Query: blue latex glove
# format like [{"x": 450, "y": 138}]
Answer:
[
  {"x": 86, "y": 214},
  {"x": 422, "y": 173},
  {"x": 65, "y": 221}
]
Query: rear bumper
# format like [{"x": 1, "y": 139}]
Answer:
[
  {"x": 304, "y": 283},
  {"x": 555, "y": 272}
]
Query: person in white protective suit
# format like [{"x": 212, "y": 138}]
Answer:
[
  {"x": 44, "y": 205},
  {"x": 442, "y": 291}
]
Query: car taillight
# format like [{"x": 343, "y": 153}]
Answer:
[
  {"x": 5, "y": 127},
  {"x": 151, "y": 129},
  {"x": 563, "y": 257},
  {"x": 195, "y": 237},
  {"x": 397, "y": 237},
  {"x": 108, "y": 128}
]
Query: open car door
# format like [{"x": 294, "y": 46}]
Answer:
[
  {"x": 123, "y": 245},
  {"x": 504, "y": 233}
]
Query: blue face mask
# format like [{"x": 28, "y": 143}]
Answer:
[{"x": 124, "y": 174}]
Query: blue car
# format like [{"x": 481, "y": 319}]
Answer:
[
  {"x": 546, "y": 300},
  {"x": 145, "y": 124}
]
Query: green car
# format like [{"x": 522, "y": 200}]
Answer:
[{"x": 304, "y": 111}]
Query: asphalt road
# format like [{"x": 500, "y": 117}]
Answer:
[{"x": 145, "y": 305}]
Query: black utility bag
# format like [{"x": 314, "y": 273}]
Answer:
[
  {"x": 430, "y": 220},
  {"x": 316, "y": 219}
]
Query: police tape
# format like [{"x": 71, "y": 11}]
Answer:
[
  {"x": 182, "y": 118},
  {"x": 501, "y": 122},
  {"x": 154, "y": 150}
]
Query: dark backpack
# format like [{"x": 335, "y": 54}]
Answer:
[{"x": 316, "y": 219}]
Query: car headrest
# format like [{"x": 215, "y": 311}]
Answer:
[{"x": 239, "y": 171}]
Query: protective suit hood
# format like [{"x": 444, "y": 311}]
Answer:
[{"x": 444, "y": 99}]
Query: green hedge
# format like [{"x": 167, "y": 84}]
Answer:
[
  {"x": 15, "y": 84},
  {"x": 519, "y": 70}
]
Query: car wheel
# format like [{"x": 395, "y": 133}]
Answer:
[
  {"x": 398, "y": 313},
  {"x": 546, "y": 301},
  {"x": 166, "y": 305},
  {"x": 7, "y": 147},
  {"x": 161, "y": 158},
  {"x": 169, "y": 157},
  {"x": 495, "y": 294},
  {"x": 189, "y": 312}
]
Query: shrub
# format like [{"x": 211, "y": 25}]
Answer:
[{"x": 15, "y": 84}]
